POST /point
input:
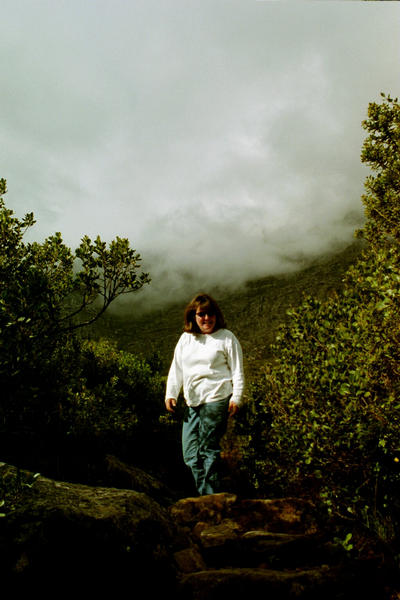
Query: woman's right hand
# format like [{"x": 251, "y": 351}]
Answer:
[{"x": 170, "y": 404}]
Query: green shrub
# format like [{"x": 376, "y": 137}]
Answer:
[
  {"x": 324, "y": 415},
  {"x": 118, "y": 401},
  {"x": 47, "y": 294}
]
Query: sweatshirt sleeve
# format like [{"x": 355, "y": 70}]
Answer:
[
  {"x": 175, "y": 375},
  {"x": 235, "y": 361}
]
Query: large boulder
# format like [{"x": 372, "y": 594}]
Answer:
[
  {"x": 121, "y": 475},
  {"x": 80, "y": 535}
]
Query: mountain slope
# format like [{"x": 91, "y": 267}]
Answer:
[{"x": 252, "y": 312}]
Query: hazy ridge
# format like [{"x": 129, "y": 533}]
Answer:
[{"x": 253, "y": 312}]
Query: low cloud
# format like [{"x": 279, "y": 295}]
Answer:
[{"x": 222, "y": 138}]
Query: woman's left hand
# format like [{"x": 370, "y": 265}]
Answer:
[{"x": 233, "y": 408}]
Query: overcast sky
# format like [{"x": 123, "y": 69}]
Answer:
[{"x": 222, "y": 137}]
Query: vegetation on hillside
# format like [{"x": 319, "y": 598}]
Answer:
[
  {"x": 253, "y": 312},
  {"x": 55, "y": 389},
  {"x": 324, "y": 416}
]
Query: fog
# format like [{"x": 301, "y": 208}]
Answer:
[{"x": 222, "y": 137}]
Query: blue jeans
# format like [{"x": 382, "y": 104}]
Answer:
[{"x": 203, "y": 428}]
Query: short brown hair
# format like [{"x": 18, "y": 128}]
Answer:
[{"x": 204, "y": 302}]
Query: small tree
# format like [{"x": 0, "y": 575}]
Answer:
[
  {"x": 381, "y": 151},
  {"x": 40, "y": 281},
  {"x": 46, "y": 293}
]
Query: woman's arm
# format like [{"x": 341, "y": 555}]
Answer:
[
  {"x": 235, "y": 361},
  {"x": 175, "y": 379}
]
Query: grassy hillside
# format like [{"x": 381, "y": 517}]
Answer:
[{"x": 252, "y": 312}]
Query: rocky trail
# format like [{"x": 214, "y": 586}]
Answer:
[
  {"x": 71, "y": 537},
  {"x": 260, "y": 548}
]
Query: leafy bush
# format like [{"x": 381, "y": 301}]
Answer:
[
  {"x": 324, "y": 416},
  {"x": 117, "y": 402},
  {"x": 47, "y": 293}
]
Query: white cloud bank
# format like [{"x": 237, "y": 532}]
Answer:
[{"x": 221, "y": 137}]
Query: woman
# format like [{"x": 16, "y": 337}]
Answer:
[{"x": 208, "y": 365}]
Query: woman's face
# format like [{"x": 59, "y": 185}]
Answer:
[{"x": 205, "y": 320}]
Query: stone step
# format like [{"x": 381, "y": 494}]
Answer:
[
  {"x": 265, "y": 549},
  {"x": 221, "y": 547},
  {"x": 282, "y": 515},
  {"x": 323, "y": 583}
]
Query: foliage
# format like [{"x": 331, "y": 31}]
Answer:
[
  {"x": 381, "y": 151},
  {"x": 116, "y": 402},
  {"x": 47, "y": 293},
  {"x": 13, "y": 482},
  {"x": 326, "y": 410},
  {"x": 43, "y": 293}
]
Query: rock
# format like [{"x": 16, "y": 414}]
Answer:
[
  {"x": 266, "y": 548},
  {"x": 262, "y": 549},
  {"x": 227, "y": 531},
  {"x": 211, "y": 509},
  {"x": 233, "y": 532},
  {"x": 276, "y": 550},
  {"x": 189, "y": 560},
  {"x": 287, "y": 515},
  {"x": 121, "y": 475},
  {"x": 311, "y": 584},
  {"x": 67, "y": 537},
  {"x": 77, "y": 534}
]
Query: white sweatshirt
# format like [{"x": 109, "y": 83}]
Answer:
[{"x": 209, "y": 367}]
